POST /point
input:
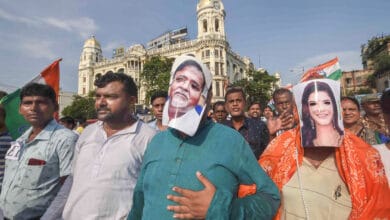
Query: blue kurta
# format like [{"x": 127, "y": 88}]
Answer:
[{"x": 222, "y": 155}]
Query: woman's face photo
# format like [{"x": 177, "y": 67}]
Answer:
[{"x": 321, "y": 108}]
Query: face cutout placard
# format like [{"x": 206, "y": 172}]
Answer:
[
  {"x": 318, "y": 103},
  {"x": 187, "y": 95}
]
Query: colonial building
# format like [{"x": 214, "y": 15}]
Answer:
[
  {"x": 375, "y": 76},
  {"x": 355, "y": 82},
  {"x": 210, "y": 46}
]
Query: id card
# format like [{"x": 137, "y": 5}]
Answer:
[{"x": 14, "y": 151}]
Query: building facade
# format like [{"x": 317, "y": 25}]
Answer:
[
  {"x": 375, "y": 75},
  {"x": 210, "y": 46},
  {"x": 355, "y": 82}
]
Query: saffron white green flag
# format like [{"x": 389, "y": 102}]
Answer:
[{"x": 330, "y": 70}]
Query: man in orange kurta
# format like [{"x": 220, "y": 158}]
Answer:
[{"x": 358, "y": 164}]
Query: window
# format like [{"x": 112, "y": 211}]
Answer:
[
  {"x": 204, "y": 25},
  {"x": 216, "y": 53},
  {"x": 348, "y": 81},
  {"x": 216, "y": 68},
  {"x": 83, "y": 90},
  {"x": 216, "y": 25},
  {"x": 217, "y": 89},
  {"x": 84, "y": 79},
  {"x": 358, "y": 80},
  {"x": 207, "y": 53}
]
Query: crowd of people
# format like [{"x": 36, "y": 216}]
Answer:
[{"x": 294, "y": 159}]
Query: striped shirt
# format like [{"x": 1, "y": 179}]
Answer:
[{"x": 5, "y": 143}]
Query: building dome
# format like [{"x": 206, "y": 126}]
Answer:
[
  {"x": 217, "y": 4},
  {"x": 204, "y": 3},
  {"x": 92, "y": 42}
]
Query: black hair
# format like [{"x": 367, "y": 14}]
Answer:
[
  {"x": 128, "y": 83},
  {"x": 37, "y": 89},
  {"x": 352, "y": 99},
  {"x": 235, "y": 90},
  {"x": 254, "y": 103},
  {"x": 2, "y": 111},
  {"x": 3, "y": 93},
  {"x": 385, "y": 102},
  {"x": 68, "y": 120},
  {"x": 158, "y": 94},
  {"x": 281, "y": 91},
  {"x": 218, "y": 103}
]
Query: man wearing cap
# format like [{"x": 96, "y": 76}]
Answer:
[
  {"x": 181, "y": 157},
  {"x": 373, "y": 119}
]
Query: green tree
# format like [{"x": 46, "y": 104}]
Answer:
[
  {"x": 156, "y": 74},
  {"x": 81, "y": 107},
  {"x": 257, "y": 86},
  {"x": 382, "y": 63}
]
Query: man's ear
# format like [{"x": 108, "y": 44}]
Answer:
[
  {"x": 133, "y": 100},
  {"x": 56, "y": 106}
]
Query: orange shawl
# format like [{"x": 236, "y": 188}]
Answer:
[{"x": 358, "y": 163}]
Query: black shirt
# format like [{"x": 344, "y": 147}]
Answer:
[{"x": 255, "y": 132}]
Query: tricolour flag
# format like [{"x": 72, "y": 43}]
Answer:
[
  {"x": 330, "y": 70},
  {"x": 15, "y": 122}
]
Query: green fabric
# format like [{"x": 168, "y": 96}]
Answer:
[
  {"x": 336, "y": 75},
  {"x": 15, "y": 122},
  {"x": 222, "y": 155}
]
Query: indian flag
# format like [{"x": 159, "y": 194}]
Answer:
[
  {"x": 330, "y": 70},
  {"x": 15, "y": 122}
]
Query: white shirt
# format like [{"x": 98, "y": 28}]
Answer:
[{"x": 105, "y": 172}]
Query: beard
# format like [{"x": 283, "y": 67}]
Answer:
[
  {"x": 104, "y": 114},
  {"x": 179, "y": 100}
]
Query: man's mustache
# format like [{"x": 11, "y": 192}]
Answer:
[{"x": 102, "y": 109}]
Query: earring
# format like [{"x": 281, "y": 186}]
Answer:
[{"x": 312, "y": 124}]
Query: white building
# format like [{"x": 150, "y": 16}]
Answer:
[{"x": 210, "y": 46}]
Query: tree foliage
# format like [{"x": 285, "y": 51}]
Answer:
[
  {"x": 156, "y": 74},
  {"x": 382, "y": 62},
  {"x": 257, "y": 86},
  {"x": 81, "y": 107}
]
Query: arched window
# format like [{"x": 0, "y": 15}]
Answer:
[
  {"x": 216, "y": 25},
  {"x": 205, "y": 25}
]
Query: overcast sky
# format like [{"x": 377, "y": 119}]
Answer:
[{"x": 280, "y": 36}]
